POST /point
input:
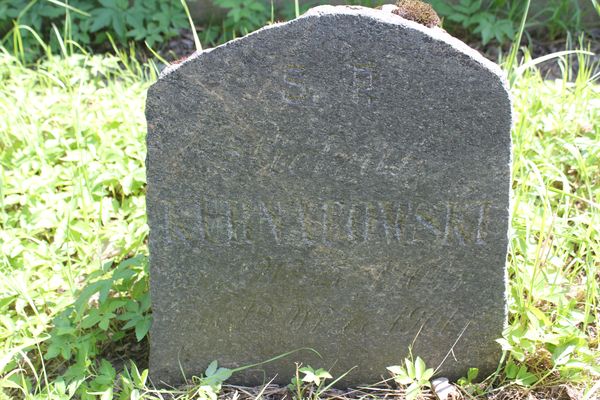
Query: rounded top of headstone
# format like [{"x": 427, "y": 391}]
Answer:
[
  {"x": 322, "y": 15},
  {"x": 339, "y": 75}
]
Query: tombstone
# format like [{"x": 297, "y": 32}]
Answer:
[{"x": 339, "y": 182}]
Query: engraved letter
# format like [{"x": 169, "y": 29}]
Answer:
[
  {"x": 295, "y": 91},
  {"x": 362, "y": 83},
  {"x": 269, "y": 218}
]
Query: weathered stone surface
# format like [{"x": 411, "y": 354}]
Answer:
[{"x": 338, "y": 182}]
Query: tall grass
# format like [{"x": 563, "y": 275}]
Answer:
[{"x": 555, "y": 247}]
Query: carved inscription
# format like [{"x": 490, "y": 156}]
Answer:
[
  {"x": 362, "y": 83},
  {"x": 374, "y": 276},
  {"x": 333, "y": 157},
  {"x": 295, "y": 89},
  {"x": 362, "y": 77},
  {"x": 406, "y": 320},
  {"x": 412, "y": 320},
  {"x": 327, "y": 223}
]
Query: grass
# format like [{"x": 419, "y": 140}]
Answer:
[
  {"x": 74, "y": 305},
  {"x": 72, "y": 198},
  {"x": 555, "y": 248}
]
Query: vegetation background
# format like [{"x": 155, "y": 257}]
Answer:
[
  {"x": 99, "y": 24},
  {"x": 74, "y": 303}
]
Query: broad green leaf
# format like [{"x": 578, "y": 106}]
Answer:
[
  {"x": 419, "y": 367},
  {"x": 472, "y": 374},
  {"x": 211, "y": 369},
  {"x": 427, "y": 374},
  {"x": 91, "y": 319},
  {"x": 410, "y": 368},
  {"x": 101, "y": 19},
  {"x": 108, "y": 3},
  {"x": 403, "y": 379},
  {"x": 396, "y": 369}
]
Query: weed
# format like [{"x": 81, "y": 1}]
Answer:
[
  {"x": 555, "y": 242},
  {"x": 497, "y": 20},
  {"x": 72, "y": 207},
  {"x": 468, "y": 383},
  {"x": 312, "y": 376},
  {"x": 243, "y": 17},
  {"x": 312, "y": 384},
  {"x": 413, "y": 375},
  {"x": 472, "y": 16},
  {"x": 90, "y": 23}
]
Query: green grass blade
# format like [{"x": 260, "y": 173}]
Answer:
[
  {"x": 517, "y": 43},
  {"x": 69, "y": 7},
  {"x": 192, "y": 26},
  {"x": 276, "y": 358},
  {"x": 530, "y": 64}
]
